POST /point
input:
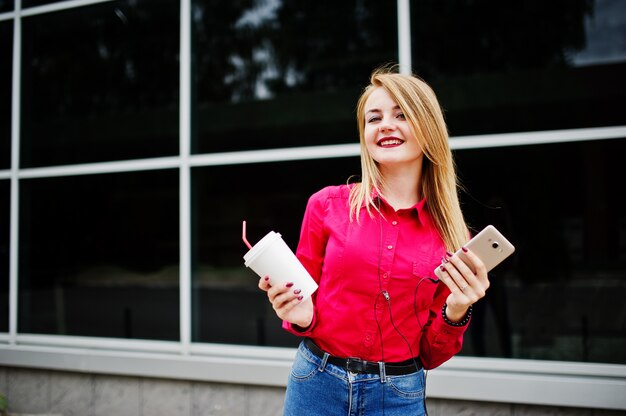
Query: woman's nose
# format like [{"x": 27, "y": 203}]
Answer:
[{"x": 386, "y": 125}]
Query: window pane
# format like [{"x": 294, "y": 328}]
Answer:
[
  {"x": 282, "y": 74},
  {"x": 532, "y": 65},
  {"x": 561, "y": 296},
  {"x": 6, "y": 5},
  {"x": 227, "y": 305},
  {"x": 6, "y": 71},
  {"x": 5, "y": 221},
  {"x": 111, "y": 95},
  {"x": 99, "y": 255},
  {"x": 550, "y": 301},
  {"x": 32, "y": 3}
]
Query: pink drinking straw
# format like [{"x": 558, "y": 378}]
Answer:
[{"x": 243, "y": 235}]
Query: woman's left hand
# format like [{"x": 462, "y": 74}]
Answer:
[{"x": 466, "y": 287}]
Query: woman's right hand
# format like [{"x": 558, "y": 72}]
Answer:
[{"x": 287, "y": 303}]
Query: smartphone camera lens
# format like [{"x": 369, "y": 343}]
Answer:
[{"x": 495, "y": 244}]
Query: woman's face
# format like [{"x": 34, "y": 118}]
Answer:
[{"x": 387, "y": 133}]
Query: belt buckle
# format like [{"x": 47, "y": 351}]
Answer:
[{"x": 355, "y": 365}]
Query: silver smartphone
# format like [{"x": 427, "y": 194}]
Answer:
[{"x": 490, "y": 245}]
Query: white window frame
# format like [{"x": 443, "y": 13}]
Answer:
[{"x": 589, "y": 385}]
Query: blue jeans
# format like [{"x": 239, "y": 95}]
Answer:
[{"x": 316, "y": 387}]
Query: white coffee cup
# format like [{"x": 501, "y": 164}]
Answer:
[{"x": 272, "y": 257}]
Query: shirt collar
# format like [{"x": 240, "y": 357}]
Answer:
[{"x": 419, "y": 207}]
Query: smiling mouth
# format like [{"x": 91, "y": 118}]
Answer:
[{"x": 389, "y": 142}]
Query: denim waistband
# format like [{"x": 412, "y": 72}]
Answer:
[{"x": 357, "y": 365}]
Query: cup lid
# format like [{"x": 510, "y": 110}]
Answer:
[{"x": 260, "y": 246}]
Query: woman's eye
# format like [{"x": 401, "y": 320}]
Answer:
[
  {"x": 401, "y": 116},
  {"x": 373, "y": 119}
]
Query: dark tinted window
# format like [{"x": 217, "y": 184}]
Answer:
[
  {"x": 227, "y": 305},
  {"x": 284, "y": 74},
  {"x": 6, "y": 71},
  {"x": 5, "y": 221},
  {"x": 6, "y": 5},
  {"x": 31, "y": 3},
  {"x": 100, "y": 83},
  {"x": 99, "y": 255},
  {"x": 549, "y": 301},
  {"x": 560, "y": 296},
  {"x": 522, "y": 66}
]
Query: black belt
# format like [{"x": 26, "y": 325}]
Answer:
[{"x": 356, "y": 365}]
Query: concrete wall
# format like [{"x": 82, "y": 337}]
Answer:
[{"x": 76, "y": 394}]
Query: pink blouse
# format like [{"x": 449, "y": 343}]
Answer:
[{"x": 378, "y": 298}]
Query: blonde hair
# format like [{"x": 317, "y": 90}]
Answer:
[{"x": 438, "y": 180}]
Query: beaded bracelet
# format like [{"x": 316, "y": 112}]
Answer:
[{"x": 463, "y": 322}]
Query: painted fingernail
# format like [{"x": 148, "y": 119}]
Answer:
[
  {"x": 464, "y": 249},
  {"x": 289, "y": 284},
  {"x": 267, "y": 278},
  {"x": 297, "y": 291},
  {"x": 444, "y": 259},
  {"x": 300, "y": 297},
  {"x": 442, "y": 268},
  {"x": 449, "y": 254}
]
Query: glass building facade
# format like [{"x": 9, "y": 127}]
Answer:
[{"x": 135, "y": 136}]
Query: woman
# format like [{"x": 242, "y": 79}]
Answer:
[{"x": 380, "y": 316}]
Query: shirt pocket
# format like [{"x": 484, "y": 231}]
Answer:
[
  {"x": 426, "y": 284},
  {"x": 425, "y": 263}
]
